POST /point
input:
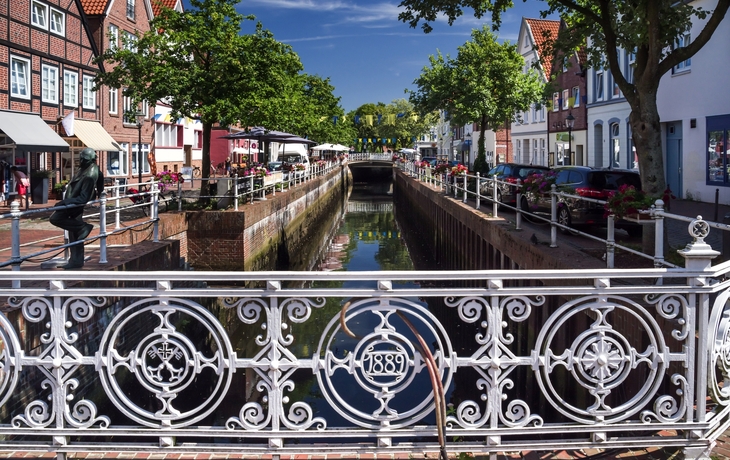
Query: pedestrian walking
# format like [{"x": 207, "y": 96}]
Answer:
[{"x": 21, "y": 186}]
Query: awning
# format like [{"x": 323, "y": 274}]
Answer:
[
  {"x": 93, "y": 135},
  {"x": 28, "y": 132}
]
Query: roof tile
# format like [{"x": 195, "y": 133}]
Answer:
[{"x": 94, "y": 7}]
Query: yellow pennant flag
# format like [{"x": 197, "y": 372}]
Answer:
[
  {"x": 369, "y": 119},
  {"x": 391, "y": 118}
]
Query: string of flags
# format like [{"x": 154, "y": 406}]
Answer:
[
  {"x": 388, "y": 118},
  {"x": 378, "y": 140}
]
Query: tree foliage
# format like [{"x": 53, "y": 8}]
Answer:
[
  {"x": 397, "y": 120},
  {"x": 485, "y": 83},
  {"x": 199, "y": 62},
  {"x": 648, "y": 28}
]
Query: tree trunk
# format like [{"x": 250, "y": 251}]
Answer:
[
  {"x": 647, "y": 136},
  {"x": 205, "y": 173}
]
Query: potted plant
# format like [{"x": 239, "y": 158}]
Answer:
[
  {"x": 40, "y": 180},
  {"x": 626, "y": 202},
  {"x": 58, "y": 189}
]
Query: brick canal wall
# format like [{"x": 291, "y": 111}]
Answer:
[
  {"x": 460, "y": 237},
  {"x": 265, "y": 235}
]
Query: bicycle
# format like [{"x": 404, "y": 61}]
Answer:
[
  {"x": 164, "y": 198},
  {"x": 196, "y": 171}
]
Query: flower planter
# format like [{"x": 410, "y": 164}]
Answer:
[{"x": 639, "y": 217}]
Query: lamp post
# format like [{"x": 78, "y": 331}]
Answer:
[
  {"x": 140, "y": 119},
  {"x": 570, "y": 122}
]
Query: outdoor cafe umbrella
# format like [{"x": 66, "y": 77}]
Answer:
[
  {"x": 261, "y": 134},
  {"x": 332, "y": 147}
]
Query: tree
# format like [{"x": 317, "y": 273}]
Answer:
[
  {"x": 649, "y": 28},
  {"x": 199, "y": 62},
  {"x": 485, "y": 83}
]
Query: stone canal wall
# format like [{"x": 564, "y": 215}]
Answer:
[
  {"x": 267, "y": 235},
  {"x": 460, "y": 237}
]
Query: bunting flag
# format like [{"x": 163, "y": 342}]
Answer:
[
  {"x": 391, "y": 118},
  {"x": 357, "y": 119},
  {"x": 68, "y": 123},
  {"x": 401, "y": 115},
  {"x": 322, "y": 118},
  {"x": 414, "y": 117},
  {"x": 380, "y": 117},
  {"x": 335, "y": 120},
  {"x": 369, "y": 120}
]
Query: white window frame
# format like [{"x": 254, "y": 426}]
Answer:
[
  {"x": 113, "y": 101},
  {"x": 57, "y": 27},
  {"x": 684, "y": 66},
  {"x": 599, "y": 85},
  {"x": 49, "y": 84},
  {"x": 20, "y": 77},
  {"x": 566, "y": 99},
  {"x": 89, "y": 95},
  {"x": 122, "y": 157},
  {"x": 130, "y": 9},
  {"x": 145, "y": 163},
  {"x": 556, "y": 102},
  {"x": 166, "y": 134},
  {"x": 576, "y": 96},
  {"x": 39, "y": 15},
  {"x": 630, "y": 63},
  {"x": 130, "y": 42},
  {"x": 113, "y": 37},
  {"x": 70, "y": 89}
]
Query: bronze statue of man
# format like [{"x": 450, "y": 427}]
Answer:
[{"x": 79, "y": 191}]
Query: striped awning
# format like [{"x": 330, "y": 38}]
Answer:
[{"x": 93, "y": 135}]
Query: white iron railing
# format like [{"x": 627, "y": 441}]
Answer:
[
  {"x": 471, "y": 187},
  {"x": 194, "y": 362}
]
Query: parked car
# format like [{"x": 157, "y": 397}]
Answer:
[
  {"x": 587, "y": 182},
  {"x": 510, "y": 173}
]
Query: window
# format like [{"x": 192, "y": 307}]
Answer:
[
  {"x": 130, "y": 41},
  {"x": 89, "y": 93},
  {"x": 542, "y": 151},
  {"x": 135, "y": 158},
  {"x": 566, "y": 99},
  {"x": 718, "y": 151},
  {"x": 70, "y": 89},
  {"x": 58, "y": 22},
  {"x": 129, "y": 111},
  {"x": 615, "y": 90},
  {"x": 534, "y": 152},
  {"x": 39, "y": 15},
  {"x": 598, "y": 85},
  {"x": 166, "y": 135},
  {"x": 683, "y": 66},
  {"x": 518, "y": 147},
  {"x": 575, "y": 96},
  {"x": 526, "y": 117},
  {"x": 49, "y": 84},
  {"x": 556, "y": 102},
  {"x": 198, "y": 136},
  {"x": 117, "y": 162},
  {"x": 113, "y": 100},
  {"x": 615, "y": 145},
  {"x": 19, "y": 77},
  {"x": 130, "y": 9},
  {"x": 630, "y": 64},
  {"x": 113, "y": 37},
  {"x": 534, "y": 114}
]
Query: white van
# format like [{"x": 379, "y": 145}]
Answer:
[{"x": 290, "y": 154}]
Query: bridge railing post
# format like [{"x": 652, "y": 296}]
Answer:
[
  {"x": 465, "y": 187},
  {"x": 518, "y": 197},
  {"x": 553, "y": 217},
  {"x": 495, "y": 203},
  {"x": 479, "y": 190}
]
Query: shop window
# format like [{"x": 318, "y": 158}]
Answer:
[{"x": 718, "y": 134}]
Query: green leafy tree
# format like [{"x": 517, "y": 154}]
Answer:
[
  {"x": 484, "y": 84},
  {"x": 199, "y": 62},
  {"x": 649, "y": 28}
]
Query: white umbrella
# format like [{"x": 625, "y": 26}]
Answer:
[{"x": 332, "y": 147}]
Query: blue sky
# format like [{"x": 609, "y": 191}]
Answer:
[{"x": 361, "y": 46}]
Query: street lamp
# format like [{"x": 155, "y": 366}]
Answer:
[
  {"x": 570, "y": 122},
  {"x": 140, "y": 119}
]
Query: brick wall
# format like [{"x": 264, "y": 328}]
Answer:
[{"x": 256, "y": 235}]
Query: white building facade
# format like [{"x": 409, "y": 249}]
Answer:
[{"x": 530, "y": 134}]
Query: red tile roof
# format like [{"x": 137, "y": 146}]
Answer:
[
  {"x": 158, "y": 4},
  {"x": 544, "y": 32},
  {"x": 94, "y": 7}
]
